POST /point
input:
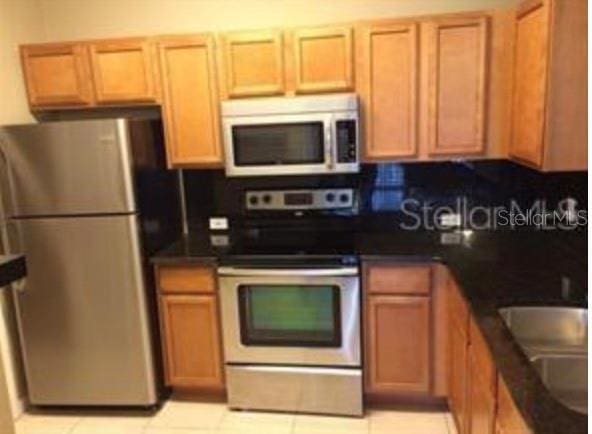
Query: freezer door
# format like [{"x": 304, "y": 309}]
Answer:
[
  {"x": 83, "y": 314},
  {"x": 67, "y": 168}
]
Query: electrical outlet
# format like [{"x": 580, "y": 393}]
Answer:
[
  {"x": 450, "y": 220},
  {"x": 218, "y": 223}
]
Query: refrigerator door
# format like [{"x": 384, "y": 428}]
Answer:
[
  {"x": 68, "y": 168},
  {"x": 83, "y": 312}
]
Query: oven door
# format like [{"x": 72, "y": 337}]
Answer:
[
  {"x": 278, "y": 144},
  {"x": 291, "y": 316}
]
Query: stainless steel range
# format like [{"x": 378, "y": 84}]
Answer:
[{"x": 291, "y": 325}]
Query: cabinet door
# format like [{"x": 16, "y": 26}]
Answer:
[
  {"x": 57, "y": 75},
  {"x": 481, "y": 398},
  {"x": 124, "y": 71},
  {"x": 190, "y": 101},
  {"x": 457, "y": 54},
  {"x": 508, "y": 420},
  {"x": 398, "y": 342},
  {"x": 457, "y": 374},
  {"x": 322, "y": 59},
  {"x": 253, "y": 63},
  {"x": 387, "y": 77},
  {"x": 191, "y": 340},
  {"x": 530, "y": 81}
]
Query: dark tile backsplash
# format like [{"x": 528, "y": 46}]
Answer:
[{"x": 384, "y": 187}]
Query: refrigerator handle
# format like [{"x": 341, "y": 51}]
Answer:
[
  {"x": 11, "y": 245},
  {"x": 8, "y": 174}
]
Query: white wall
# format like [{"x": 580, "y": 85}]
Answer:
[
  {"x": 73, "y": 19},
  {"x": 20, "y": 21}
]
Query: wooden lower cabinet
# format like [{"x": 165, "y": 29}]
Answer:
[
  {"x": 398, "y": 356},
  {"x": 458, "y": 347},
  {"x": 481, "y": 395},
  {"x": 471, "y": 375},
  {"x": 508, "y": 419},
  {"x": 477, "y": 397},
  {"x": 457, "y": 376},
  {"x": 190, "y": 332},
  {"x": 398, "y": 344},
  {"x": 482, "y": 416},
  {"x": 191, "y": 338}
]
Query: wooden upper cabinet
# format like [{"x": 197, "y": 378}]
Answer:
[
  {"x": 57, "y": 75},
  {"x": 322, "y": 59},
  {"x": 398, "y": 342},
  {"x": 252, "y": 63},
  {"x": 190, "y": 101},
  {"x": 191, "y": 339},
  {"x": 531, "y": 58},
  {"x": 549, "y": 105},
  {"x": 124, "y": 71},
  {"x": 457, "y": 51},
  {"x": 387, "y": 75}
]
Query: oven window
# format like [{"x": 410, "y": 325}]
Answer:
[
  {"x": 290, "y": 315},
  {"x": 294, "y": 143}
]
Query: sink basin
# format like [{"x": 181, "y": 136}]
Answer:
[
  {"x": 548, "y": 329},
  {"x": 566, "y": 377},
  {"x": 556, "y": 341}
]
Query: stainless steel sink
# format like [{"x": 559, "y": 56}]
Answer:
[
  {"x": 543, "y": 329},
  {"x": 566, "y": 377},
  {"x": 556, "y": 341}
]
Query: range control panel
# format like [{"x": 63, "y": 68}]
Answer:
[{"x": 305, "y": 199}]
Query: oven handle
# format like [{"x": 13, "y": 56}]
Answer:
[{"x": 233, "y": 271}]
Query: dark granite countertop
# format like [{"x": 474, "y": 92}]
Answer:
[
  {"x": 12, "y": 268},
  {"x": 494, "y": 269}
]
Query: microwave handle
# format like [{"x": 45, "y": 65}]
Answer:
[{"x": 329, "y": 145}]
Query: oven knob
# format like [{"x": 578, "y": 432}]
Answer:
[
  {"x": 344, "y": 198},
  {"x": 330, "y": 197},
  {"x": 253, "y": 200},
  {"x": 266, "y": 198}
]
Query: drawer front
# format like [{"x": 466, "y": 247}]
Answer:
[
  {"x": 398, "y": 279},
  {"x": 186, "y": 280},
  {"x": 293, "y": 388}
]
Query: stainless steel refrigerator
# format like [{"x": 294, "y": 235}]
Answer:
[{"x": 87, "y": 202}]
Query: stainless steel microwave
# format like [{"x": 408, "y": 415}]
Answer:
[{"x": 299, "y": 135}]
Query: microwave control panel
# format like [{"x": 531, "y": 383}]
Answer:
[
  {"x": 305, "y": 199},
  {"x": 347, "y": 147}
]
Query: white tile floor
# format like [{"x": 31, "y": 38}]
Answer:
[{"x": 177, "y": 417}]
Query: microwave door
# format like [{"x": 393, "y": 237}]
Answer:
[{"x": 278, "y": 144}]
